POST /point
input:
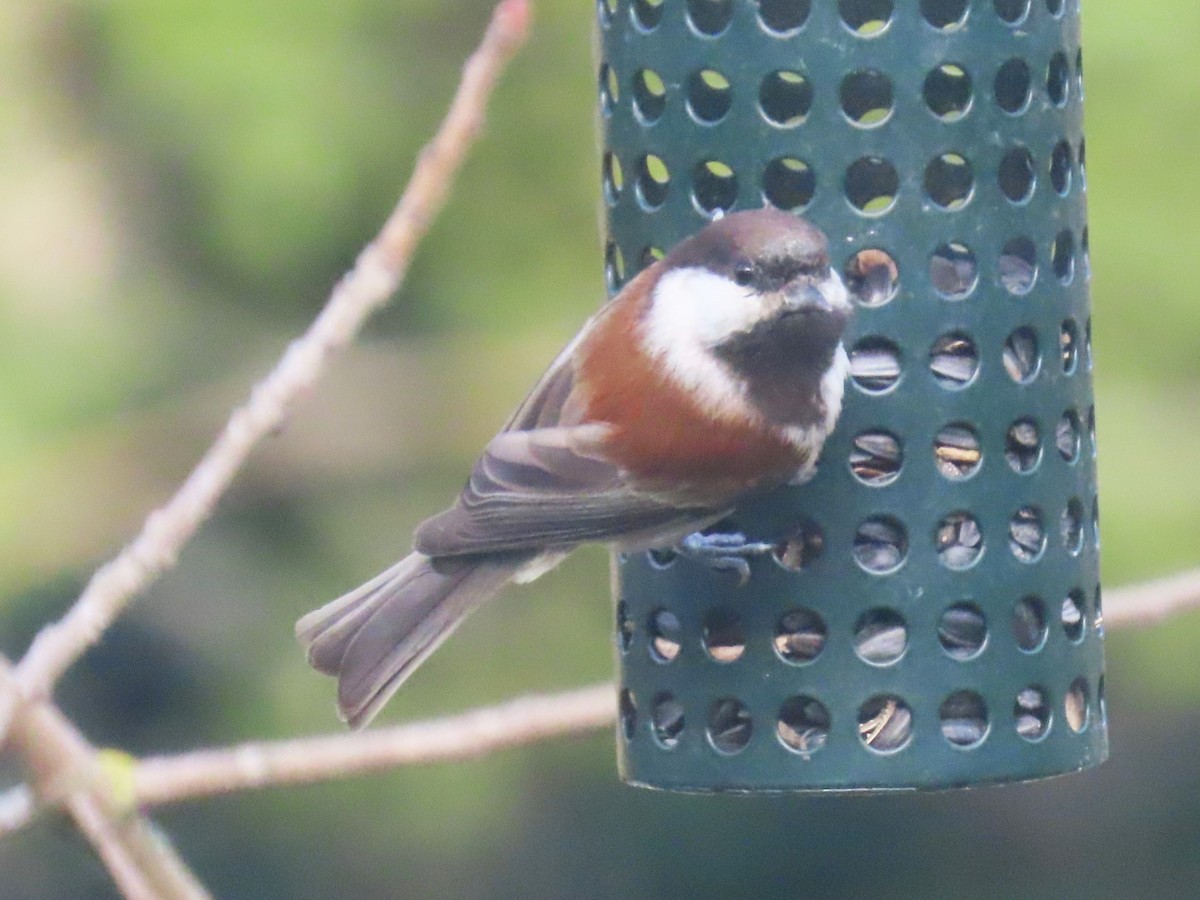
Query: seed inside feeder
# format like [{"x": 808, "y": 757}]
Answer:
[
  {"x": 959, "y": 540},
  {"x": 956, "y": 451},
  {"x": 875, "y": 365},
  {"x": 875, "y": 457},
  {"x": 1021, "y": 355},
  {"x": 953, "y": 360}
]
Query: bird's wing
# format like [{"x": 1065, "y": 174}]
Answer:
[{"x": 547, "y": 488}]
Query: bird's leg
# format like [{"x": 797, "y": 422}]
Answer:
[{"x": 723, "y": 551}]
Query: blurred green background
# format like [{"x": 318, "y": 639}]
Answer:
[{"x": 181, "y": 183}]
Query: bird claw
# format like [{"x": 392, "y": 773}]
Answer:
[{"x": 723, "y": 551}]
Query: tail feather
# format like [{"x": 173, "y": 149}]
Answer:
[{"x": 374, "y": 637}]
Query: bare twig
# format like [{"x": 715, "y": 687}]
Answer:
[
  {"x": 1140, "y": 605},
  {"x": 18, "y": 806},
  {"x": 166, "y": 779},
  {"x": 101, "y": 833},
  {"x": 375, "y": 276},
  {"x": 66, "y": 770}
]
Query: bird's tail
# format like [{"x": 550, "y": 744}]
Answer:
[{"x": 374, "y": 637}]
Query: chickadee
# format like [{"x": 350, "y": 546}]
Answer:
[{"x": 718, "y": 371}]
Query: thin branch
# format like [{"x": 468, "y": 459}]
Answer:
[
  {"x": 18, "y": 806},
  {"x": 102, "y": 835},
  {"x": 166, "y": 779},
  {"x": 66, "y": 770},
  {"x": 1141, "y": 605},
  {"x": 375, "y": 276}
]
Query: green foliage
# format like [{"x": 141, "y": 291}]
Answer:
[{"x": 216, "y": 167}]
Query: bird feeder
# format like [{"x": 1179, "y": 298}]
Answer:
[{"x": 931, "y": 616}]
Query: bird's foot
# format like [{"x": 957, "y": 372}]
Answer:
[{"x": 723, "y": 551}]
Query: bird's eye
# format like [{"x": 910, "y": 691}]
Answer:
[{"x": 743, "y": 274}]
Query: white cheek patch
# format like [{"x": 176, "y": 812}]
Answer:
[{"x": 691, "y": 310}]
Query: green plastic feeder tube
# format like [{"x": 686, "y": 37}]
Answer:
[{"x": 932, "y": 615}]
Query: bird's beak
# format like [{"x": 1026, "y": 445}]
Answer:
[{"x": 806, "y": 296}]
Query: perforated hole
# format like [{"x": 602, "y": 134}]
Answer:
[
  {"x": 1083, "y": 161},
  {"x": 1031, "y": 713},
  {"x": 880, "y": 637},
  {"x": 1091, "y": 424},
  {"x": 651, "y": 255},
  {"x": 871, "y": 277},
  {"x": 871, "y": 185},
  {"x": 1029, "y": 624},
  {"x": 1066, "y": 436},
  {"x": 614, "y": 266},
  {"x": 709, "y": 96},
  {"x": 1054, "y": 7},
  {"x": 866, "y": 18},
  {"x": 649, "y": 95},
  {"x": 1016, "y": 174},
  {"x": 1023, "y": 446},
  {"x": 729, "y": 726},
  {"x": 947, "y": 92},
  {"x": 944, "y": 15},
  {"x": 647, "y": 13},
  {"x": 1060, "y": 168},
  {"x": 605, "y": 9},
  {"x": 953, "y": 360},
  {"x": 664, "y": 631},
  {"x": 1062, "y": 256},
  {"x": 1012, "y": 12},
  {"x": 1076, "y": 706},
  {"x": 801, "y": 547},
  {"x": 1096, "y": 522},
  {"x": 1026, "y": 534},
  {"x": 962, "y": 631},
  {"x": 653, "y": 181},
  {"x": 667, "y": 721},
  {"x": 949, "y": 181},
  {"x": 714, "y": 186},
  {"x": 875, "y": 365},
  {"x": 1079, "y": 70},
  {"x": 866, "y": 97},
  {"x": 724, "y": 636},
  {"x": 953, "y": 270},
  {"x": 876, "y": 457},
  {"x": 1068, "y": 345},
  {"x": 627, "y": 710},
  {"x": 661, "y": 557},
  {"x": 885, "y": 723},
  {"x": 1087, "y": 336},
  {"x": 1100, "y": 702},
  {"x": 958, "y": 541},
  {"x": 613, "y": 178},
  {"x": 1085, "y": 252},
  {"x": 880, "y": 545},
  {"x": 785, "y": 97},
  {"x": 1012, "y": 86},
  {"x": 1098, "y": 612},
  {"x": 1072, "y": 616},
  {"x": 783, "y": 16},
  {"x": 803, "y": 725},
  {"x": 800, "y": 636},
  {"x": 1058, "y": 79},
  {"x": 1071, "y": 526},
  {"x": 709, "y": 17},
  {"x": 624, "y": 627},
  {"x": 956, "y": 451},
  {"x": 1018, "y": 265},
  {"x": 964, "y": 719},
  {"x": 1021, "y": 359},
  {"x": 610, "y": 90},
  {"x": 789, "y": 183}
]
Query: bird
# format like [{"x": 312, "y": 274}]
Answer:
[{"x": 717, "y": 372}]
